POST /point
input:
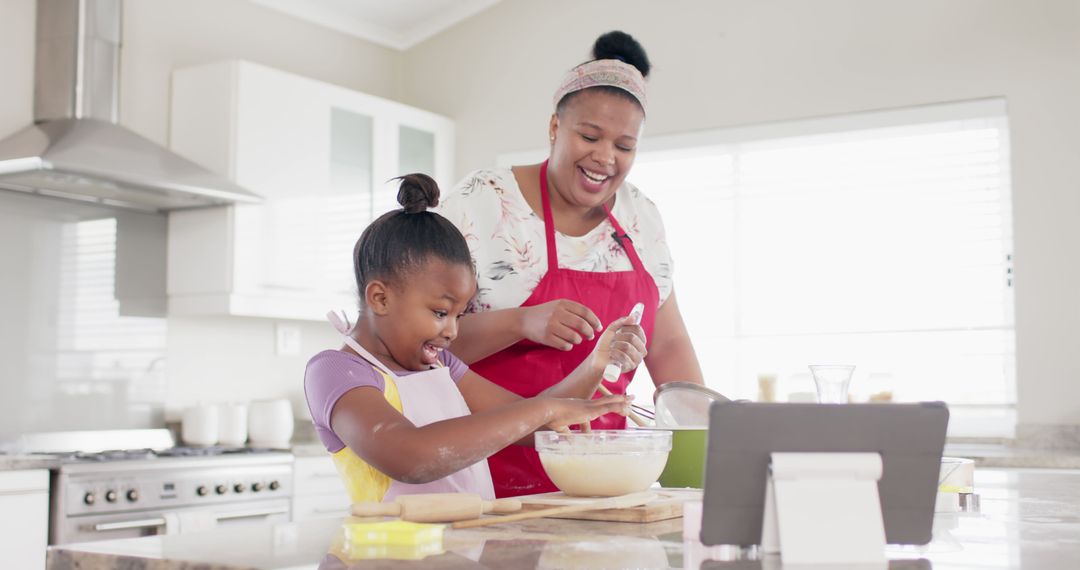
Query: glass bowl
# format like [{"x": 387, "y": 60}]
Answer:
[{"x": 603, "y": 463}]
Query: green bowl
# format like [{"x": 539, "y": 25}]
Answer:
[{"x": 686, "y": 461}]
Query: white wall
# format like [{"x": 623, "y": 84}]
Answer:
[
  {"x": 227, "y": 359},
  {"x": 208, "y": 359},
  {"x": 16, "y": 64},
  {"x": 161, "y": 35},
  {"x": 735, "y": 62},
  {"x": 717, "y": 64}
]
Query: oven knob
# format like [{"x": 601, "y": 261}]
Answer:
[
  {"x": 239, "y": 487},
  {"x": 89, "y": 498},
  {"x": 257, "y": 487},
  {"x": 110, "y": 496},
  {"x": 133, "y": 495},
  {"x": 201, "y": 490},
  {"x": 221, "y": 489},
  {"x": 274, "y": 485}
]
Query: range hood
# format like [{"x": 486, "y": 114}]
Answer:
[{"x": 75, "y": 149}]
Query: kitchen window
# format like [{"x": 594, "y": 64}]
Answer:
[
  {"x": 881, "y": 240},
  {"x": 103, "y": 352}
]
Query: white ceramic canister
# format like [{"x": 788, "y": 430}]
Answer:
[
  {"x": 233, "y": 424},
  {"x": 270, "y": 423},
  {"x": 199, "y": 425}
]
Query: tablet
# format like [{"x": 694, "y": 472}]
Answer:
[{"x": 909, "y": 437}]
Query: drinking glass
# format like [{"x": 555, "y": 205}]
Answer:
[{"x": 832, "y": 382}]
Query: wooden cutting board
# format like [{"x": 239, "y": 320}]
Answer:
[{"x": 667, "y": 505}]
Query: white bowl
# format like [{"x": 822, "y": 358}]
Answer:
[
  {"x": 270, "y": 423},
  {"x": 233, "y": 424},
  {"x": 199, "y": 425}
]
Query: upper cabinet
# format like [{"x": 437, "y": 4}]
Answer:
[{"x": 323, "y": 158}]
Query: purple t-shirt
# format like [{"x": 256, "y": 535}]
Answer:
[{"x": 331, "y": 373}]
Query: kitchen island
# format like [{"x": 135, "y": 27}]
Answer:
[{"x": 1028, "y": 519}]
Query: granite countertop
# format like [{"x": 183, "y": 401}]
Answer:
[
  {"x": 309, "y": 449},
  {"x": 18, "y": 462},
  {"x": 1029, "y": 519},
  {"x": 1001, "y": 455},
  {"x": 984, "y": 454}
]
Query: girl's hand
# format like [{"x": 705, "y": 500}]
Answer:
[
  {"x": 622, "y": 343},
  {"x": 563, "y": 412},
  {"x": 559, "y": 324}
]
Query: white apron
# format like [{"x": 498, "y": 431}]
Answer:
[{"x": 426, "y": 397}]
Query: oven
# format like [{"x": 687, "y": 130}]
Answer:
[
  {"x": 131, "y": 483},
  {"x": 123, "y": 499}
]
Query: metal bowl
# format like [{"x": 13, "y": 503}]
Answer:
[{"x": 684, "y": 404}]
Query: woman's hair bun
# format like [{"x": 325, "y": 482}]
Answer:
[
  {"x": 417, "y": 193},
  {"x": 622, "y": 46}
]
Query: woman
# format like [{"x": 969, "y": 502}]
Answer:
[{"x": 566, "y": 246}]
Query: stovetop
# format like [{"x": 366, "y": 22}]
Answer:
[
  {"x": 121, "y": 451},
  {"x": 147, "y": 453}
]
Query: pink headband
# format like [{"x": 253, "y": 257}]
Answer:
[{"x": 600, "y": 72}]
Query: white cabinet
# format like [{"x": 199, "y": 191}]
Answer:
[
  {"x": 24, "y": 518},
  {"x": 317, "y": 489},
  {"x": 321, "y": 155}
]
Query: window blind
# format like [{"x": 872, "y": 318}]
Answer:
[
  {"x": 886, "y": 247},
  {"x": 95, "y": 343}
]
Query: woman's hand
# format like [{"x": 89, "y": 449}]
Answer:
[
  {"x": 565, "y": 412},
  {"x": 559, "y": 324},
  {"x": 622, "y": 343}
]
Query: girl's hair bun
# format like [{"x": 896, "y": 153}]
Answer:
[
  {"x": 417, "y": 193},
  {"x": 623, "y": 47}
]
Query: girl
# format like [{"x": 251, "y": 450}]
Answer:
[{"x": 397, "y": 410}]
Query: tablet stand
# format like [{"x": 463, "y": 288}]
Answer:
[{"x": 823, "y": 508}]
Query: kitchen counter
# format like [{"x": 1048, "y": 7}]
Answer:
[
  {"x": 18, "y": 462},
  {"x": 314, "y": 449},
  {"x": 984, "y": 454},
  {"x": 1001, "y": 455},
  {"x": 1029, "y": 519}
]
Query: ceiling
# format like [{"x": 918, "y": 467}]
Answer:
[{"x": 399, "y": 24}]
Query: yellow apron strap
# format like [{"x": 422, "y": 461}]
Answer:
[{"x": 362, "y": 481}]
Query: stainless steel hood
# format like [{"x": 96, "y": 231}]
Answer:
[{"x": 75, "y": 149}]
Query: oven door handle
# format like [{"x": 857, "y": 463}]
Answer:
[
  {"x": 156, "y": 522},
  {"x": 253, "y": 514},
  {"x": 123, "y": 525}
]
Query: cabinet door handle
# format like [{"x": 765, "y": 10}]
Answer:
[
  {"x": 123, "y": 525},
  {"x": 337, "y": 511},
  {"x": 253, "y": 514}
]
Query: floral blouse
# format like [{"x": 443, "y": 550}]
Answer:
[{"x": 507, "y": 241}]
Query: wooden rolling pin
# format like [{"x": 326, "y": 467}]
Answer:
[
  {"x": 620, "y": 502},
  {"x": 436, "y": 507}
]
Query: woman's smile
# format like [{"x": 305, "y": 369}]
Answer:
[
  {"x": 594, "y": 139},
  {"x": 592, "y": 181}
]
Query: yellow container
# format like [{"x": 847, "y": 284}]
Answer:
[{"x": 396, "y": 539}]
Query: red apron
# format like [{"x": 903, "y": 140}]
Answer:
[{"x": 528, "y": 368}]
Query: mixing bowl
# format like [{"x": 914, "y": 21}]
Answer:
[
  {"x": 686, "y": 461},
  {"x": 603, "y": 463},
  {"x": 684, "y": 404}
]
